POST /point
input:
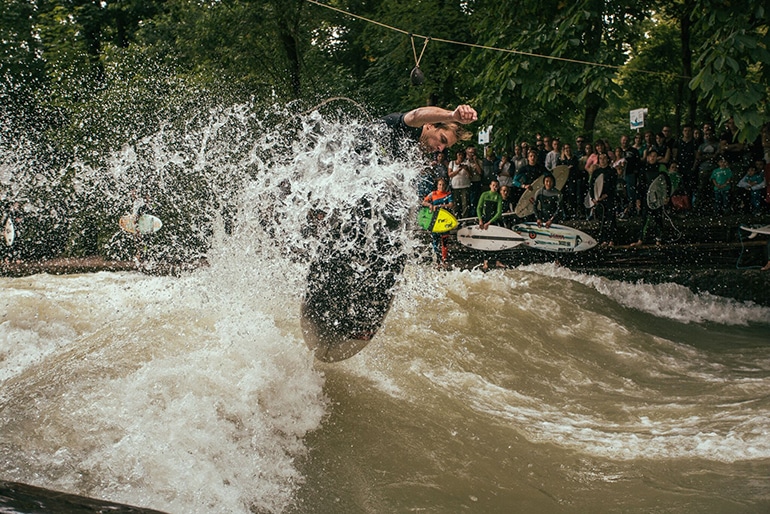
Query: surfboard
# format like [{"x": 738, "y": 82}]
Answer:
[
  {"x": 9, "y": 231},
  {"x": 598, "y": 190},
  {"x": 438, "y": 221},
  {"x": 350, "y": 283},
  {"x": 492, "y": 239},
  {"x": 147, "y": 224},
  {"x": 526, "y": 204},
  {"x": 556, "y": 238},
  {"x": 657, "y": 193},
  {"x": 755, "y": 230}
]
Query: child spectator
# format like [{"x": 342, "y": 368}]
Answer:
[
  {"x": 720, "y": 179},
  {"x": 441, "y": 197}
]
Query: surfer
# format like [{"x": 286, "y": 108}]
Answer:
[
  {"x": 548, "y": 205},
  {"x": 489, "y": 210},
  {"x": 604, "y": 205},
  {"x": 654, "y": 213},
  {"x": 350, "y": 281}
]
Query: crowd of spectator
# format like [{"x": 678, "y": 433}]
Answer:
[{"x": 708, "y": 172}]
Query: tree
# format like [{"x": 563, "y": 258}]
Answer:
[
  {"x": 733, "y": 65},
  {"x": 524, "y": 91}
]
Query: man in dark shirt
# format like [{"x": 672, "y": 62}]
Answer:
[
  {"x": 685, "y": 156},
  {"x": 360, "y": 255}
]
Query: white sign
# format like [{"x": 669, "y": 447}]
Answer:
[
  {"x": 484, "y": 135},
  {"x": 637, "y": 118}
]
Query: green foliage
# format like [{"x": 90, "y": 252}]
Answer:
[
  {"x": 84, "y": 78},
  {"x": 734, "y": 62}
]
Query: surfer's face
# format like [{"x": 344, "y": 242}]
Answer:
[{"x": 435, "y": 139}]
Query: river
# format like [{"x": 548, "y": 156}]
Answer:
[{"x": 533, "y": 389}]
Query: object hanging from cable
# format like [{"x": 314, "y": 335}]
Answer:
[{"x": 417, "y": 76}]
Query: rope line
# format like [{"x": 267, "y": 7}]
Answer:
[
  {"x": 496, "y": 49},
  {"x": 414, "y": 50}
]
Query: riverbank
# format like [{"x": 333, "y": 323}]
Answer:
[{"x": 704, "y": 254}]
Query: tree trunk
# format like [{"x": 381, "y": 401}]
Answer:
[
  {"x": 593, "y": 105},
  {"x": 686, "y": 35}
]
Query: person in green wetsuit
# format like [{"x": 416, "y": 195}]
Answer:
[
  {"x": 490, "y": 206},
  {"x": 489, "y": 210}
]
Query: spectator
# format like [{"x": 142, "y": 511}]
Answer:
[
  {"x": 685, "y": 156},
  {"x": 721, "y": 178},
  {"x": 697, "y": 135},
  {"x": 588, "y": 150},
  {"x": 663, "y": 149},
  {"x": 475, "y": 171},
  {"x": 654, "y": 214},
  {"x": 504, "y": 176},
  {"x": 553, "y": 156},
  {"x": 461, "y": 184},
  {"x": 751, "y": 188},
  {"x": 441, "y": 197},
  {"x": 489, "y": 167},
  {"x": 649, "y": 142},
  {"x": 528, "y": 174},
  {"x": 519, "y": 159},
  {"x": 729, "y": 146},
  {"x": 508, "y": 207},
  {"x": 593, "y": 160},
  {"x": 630, "y": 174},
  {"x": 489, "y": 211},
  {"x": 604, "y": 205},
  {"x": 541, "y": 150},
  {"x": 574, "y": 189},
  {"x": 705, "y": 160},
  {"x": 580, "y": 145},
  {"x": 548, "y": 203}
]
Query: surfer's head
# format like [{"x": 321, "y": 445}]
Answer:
[
  {"x": 494, "y": 185},
  {"x": 436, "y": 137},
  {"x": 441, "y": 185},
  {"x": 548, "y": 181}
]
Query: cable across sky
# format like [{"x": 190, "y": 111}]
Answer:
[{"x": 486, "y": 47}]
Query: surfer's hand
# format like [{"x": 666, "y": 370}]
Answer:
[{"x": 464, "y": 114}]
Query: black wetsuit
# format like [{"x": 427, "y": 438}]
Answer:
[{"x": 360, "y": 258}]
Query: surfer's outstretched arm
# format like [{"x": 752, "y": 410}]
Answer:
[{"x": 431, "y": 114}]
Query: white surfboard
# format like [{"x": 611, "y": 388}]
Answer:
[
  {"x": 526, "y": 204},
  {"x": 657, "y": 193},
  {"x": 9, "y": 231},
  {"x": 598, "y": 190},
  {"x": 492, "y": 239},
  {"x": 755, "y": 230},
  {"x": 556, "y": 238},
  {"x": 146, "y": 224}
]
